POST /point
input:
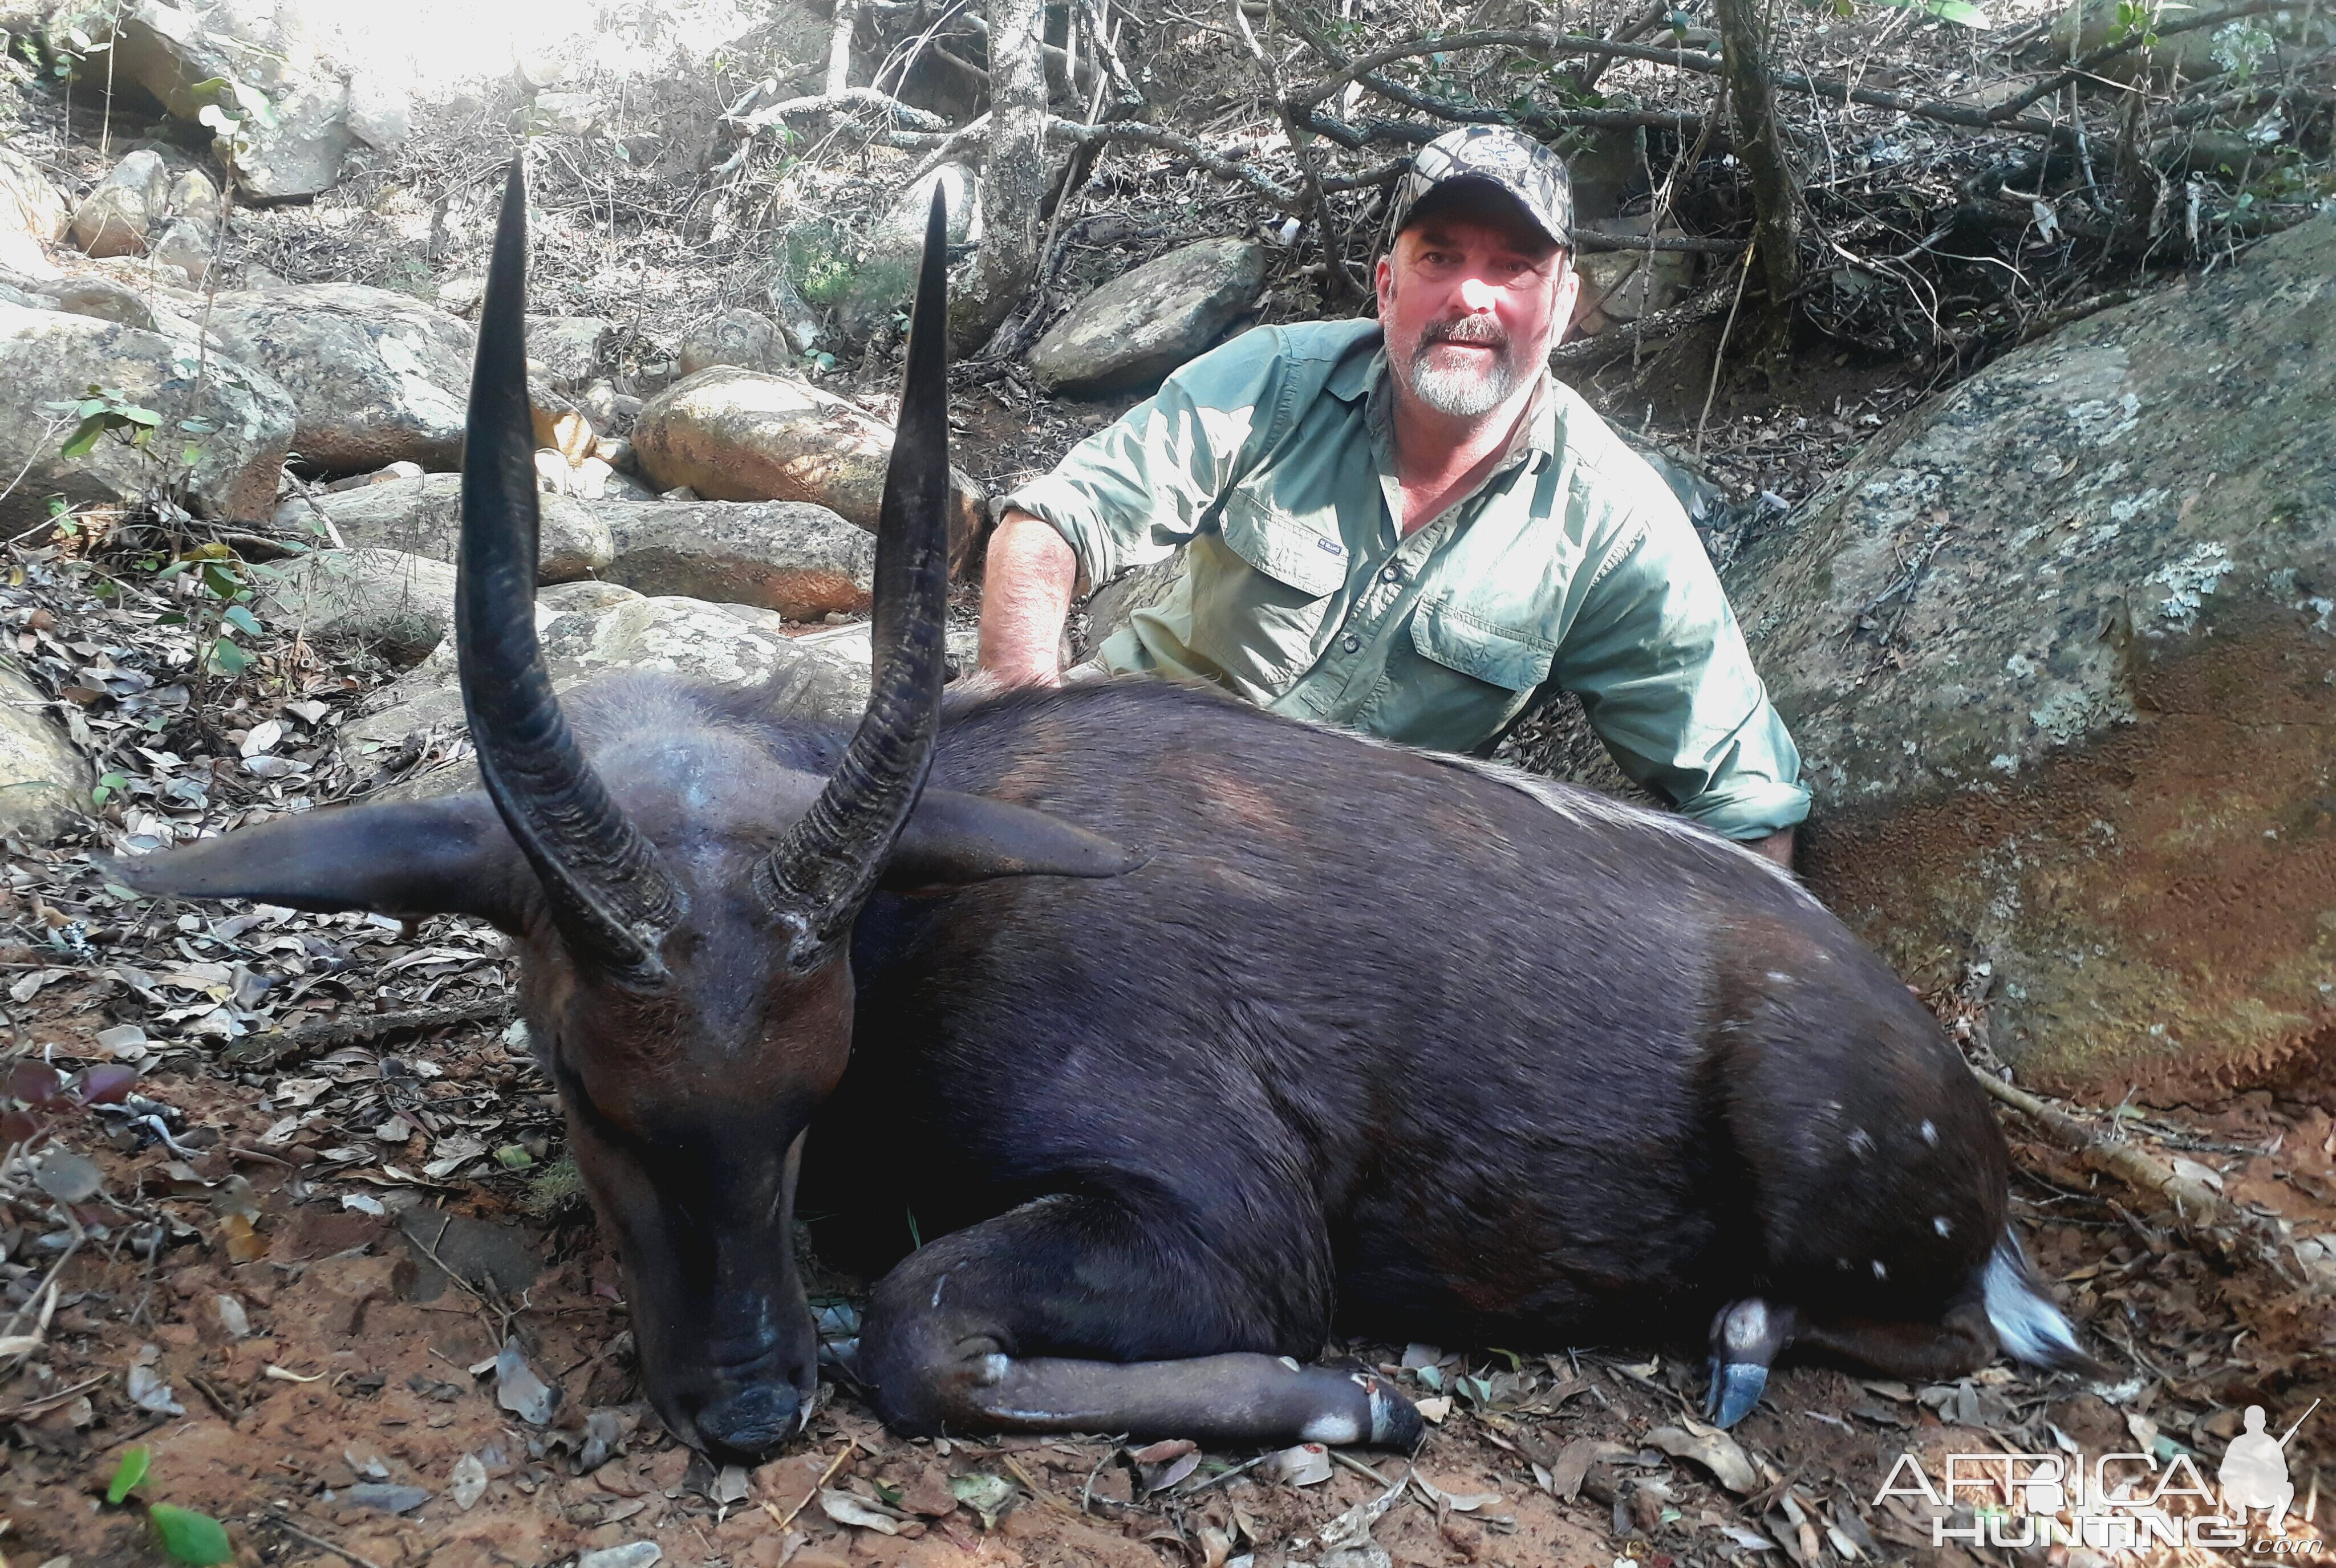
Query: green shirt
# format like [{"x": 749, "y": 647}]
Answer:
[{"x": 1271, "y": 462}]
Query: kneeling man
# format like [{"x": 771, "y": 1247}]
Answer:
[{"x": 1409, "y": 527}]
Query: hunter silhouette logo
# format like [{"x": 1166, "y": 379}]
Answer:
[
  {"x": 2116, "y": 1502},
  {"x": 2255, "y": 1470}
]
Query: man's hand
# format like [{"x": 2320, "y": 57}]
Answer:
[
  {"x": 1777, "y": 846},
  {"x": 1026, "y": 597}
]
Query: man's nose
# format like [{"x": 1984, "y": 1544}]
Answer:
[{"x": 1476, "y": 295}]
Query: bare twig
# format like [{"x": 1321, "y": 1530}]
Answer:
[
  {"x": 331, "y": 1034},
  {"x": 2200, "y": 1212},
  {"x": 1719, "y": 355},
  {"x": 318, "y": 1542},
  {"x": 787, "y": 1518}
]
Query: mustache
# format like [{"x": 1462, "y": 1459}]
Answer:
[{"x": 1477, "y": 329}]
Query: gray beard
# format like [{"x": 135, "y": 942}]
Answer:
[{"x": 1462, "y": 391}]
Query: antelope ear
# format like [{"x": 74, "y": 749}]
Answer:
[
  {"x": 955, "y": 839},
  {"x": 450, "y": 855}
]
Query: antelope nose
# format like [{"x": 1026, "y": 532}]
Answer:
[{"x": 753, "y": 1421}]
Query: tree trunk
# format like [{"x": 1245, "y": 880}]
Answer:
[
  {"x": 1775, "y": 193},
  {"x": 1017, "y": 178},
  {"x": 839, "y": 46}
]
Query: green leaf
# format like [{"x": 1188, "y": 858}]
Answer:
[
  {"x": 135, "y": 1462},
  {"x": 83, "y": 440},
  {"x": 219, "y": 581},
  {"x": 242, "y": 619},
  {"x": 229, "y": 660},
  {"x": 197, "y": 1540},
  {"x": 109, "y": 785}
]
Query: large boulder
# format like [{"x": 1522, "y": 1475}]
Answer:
[
  {"x": 196, "y": 56},
  {"x": 421, "y": 514},
  {"x": 235, "y": 421},
  {"x": 734, "y": 435},
  {"x": 33, "y": 215},
  {"x": 44, "y": 781},
  {"x": 377, "y": 376},
  {"x": 745, "y": 338},
  {"x": 392, "y": 603},
  {"x": 683, "y": 637},
  {"x": 882, "y": 279},
  {"x": 1137, "y": 328},
  {"x": 2060, "y": 650},
  {"x": 802, "y": 561},
  {"x": 123, "y": 210},
  {"x": 567, "y": 351}
]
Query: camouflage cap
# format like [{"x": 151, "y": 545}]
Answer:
[{"x": 1516, "y": 165}]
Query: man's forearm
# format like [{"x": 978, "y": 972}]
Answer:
[{"x": 1026, "y": 597}]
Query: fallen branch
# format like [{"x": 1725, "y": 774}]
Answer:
[
  {"x": 262, "y": 1051},
  {"x": 851, "y": 100},
  {"x": 2091, "y": 64},
  {"x": 1711, "y": 303},
  {"x": 2199, "y": 1212},
  {"x": 1550, "y": 45}
]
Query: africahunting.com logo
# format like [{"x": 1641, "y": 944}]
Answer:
[{"x": 2118, "y": 1503}]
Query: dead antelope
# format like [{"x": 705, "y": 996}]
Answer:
[{"x": 1184, "y": 1030}]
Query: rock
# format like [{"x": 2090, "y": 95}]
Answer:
[
  {"x": 745, "y": 338},
  {"x": 185, "y": 247},
  {"x": 1136, "y": 329},
  {"x": 44, "y": 781},
  {"x": 2059, "y": 651},
  {"x": 378, "y": 476},
  {"x": 178, "y": 51},
  {"x": 119, "y": 213},
  {"x": 885, "y": 280},
  {"x": 684, "y": 636},
  {"x": 851, "y": 641},
  {"x": 244, "y": 419},
  {"x": 400, "y": 605},
  {"x": 586, "y": 593},
  {"x": 1621, "y": 286},
  {"x": 99, "y": 298},
  {"x": 424, "y": 516},
  {"x": 33, "y": 215},
  {"x": 800, "y": 560},
  {"x": 377, "y": 376},
  {"x": 732, "y": 434},
  {"x": 192, "y": 195},
  {"x": 569, "y": 351}
]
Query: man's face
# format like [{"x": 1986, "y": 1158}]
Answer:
[{"x": 1470, "y": 304}]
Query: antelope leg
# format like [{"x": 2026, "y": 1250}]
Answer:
[{"x": 1746, "y": 1337}]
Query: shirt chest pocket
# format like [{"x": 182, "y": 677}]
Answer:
[
  {"x": 1265, "y": 594},
  {"x": 1448, "y": 634},
  {"x": 1291, "y": 551}
]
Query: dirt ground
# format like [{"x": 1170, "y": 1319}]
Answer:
[{"x": 295, "y": 1307}]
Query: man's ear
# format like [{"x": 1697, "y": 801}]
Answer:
[
  {"x": 956, "y": 839},
  {"x": 450, "y": 855}
]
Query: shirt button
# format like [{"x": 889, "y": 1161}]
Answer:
[
  {"x": 1351, "y": 644},
  {"x": 1391, "y": 574}
]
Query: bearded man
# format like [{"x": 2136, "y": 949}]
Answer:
[{"x": 1408, "y": 527}]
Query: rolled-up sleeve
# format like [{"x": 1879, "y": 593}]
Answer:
[
  {"x": 1659, "y": 663},
  {"x": 1133, "y": 492}
]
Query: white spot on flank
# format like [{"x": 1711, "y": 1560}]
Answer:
[
  {"x": 939, "y": 1286},
  {"x": 1879, "y": 1271},
  {"x": 1939, "y": 1223},
  {"x": 1747, "y": 1324},
  {"x": 994, "y": 1367},
  {"x": 1780, "y": 976},
  {"x": 1331, "y": 1429},
  {"x": 1861, "y": 1142},
  {"x": 1930, "y": 1136}
]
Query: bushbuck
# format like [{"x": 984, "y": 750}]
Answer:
[{"x": 1183, "y": 1031}]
